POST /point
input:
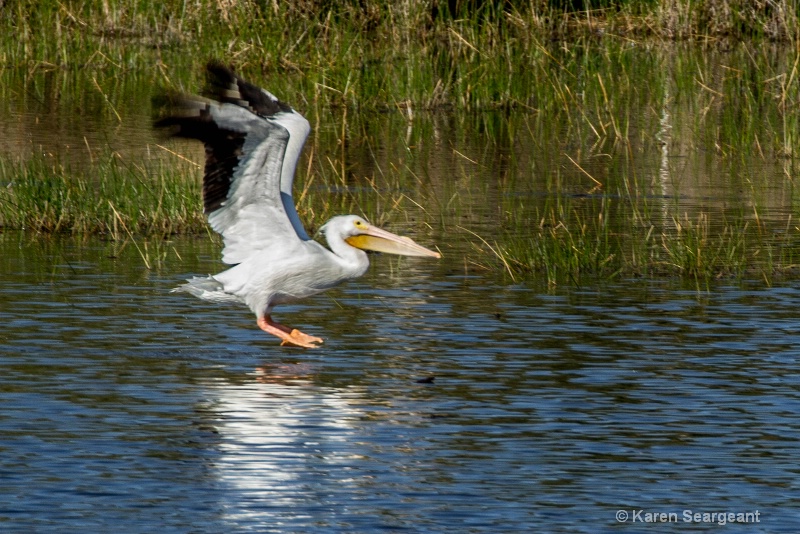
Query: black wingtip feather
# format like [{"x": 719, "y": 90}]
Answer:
[
  {"x": 186, "y": 116},
  {"x": 224, "y": 85},
  {"x": 189, "y": 118}
]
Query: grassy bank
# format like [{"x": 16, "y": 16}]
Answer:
[
  {"x": 576, "y": 247},
  {"x": 468, "y": 53},
  {"x": 114, "y": 198},
  {"x": 601, "y": 139}
]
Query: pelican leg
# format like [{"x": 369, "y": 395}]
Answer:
[{"x": 288, "y": 335}]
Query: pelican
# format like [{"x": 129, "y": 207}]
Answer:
[{"x": 252, "y": 143}]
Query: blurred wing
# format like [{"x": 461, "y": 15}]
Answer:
[{"x": 252, "y": 142}]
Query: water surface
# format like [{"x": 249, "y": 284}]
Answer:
[{"x": 125, "y": 406}]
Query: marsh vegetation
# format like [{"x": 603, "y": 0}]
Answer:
[{"x": 616, "y": 139}]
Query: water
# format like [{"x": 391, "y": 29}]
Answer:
[{"x": 127, "y": 407}]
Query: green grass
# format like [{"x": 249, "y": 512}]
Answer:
[
  {"x": 116, "y": 198},
  {"x": 574, "y": 247},
  {"x": 633, "y": 139},
  {"x": 367, "y": 54}
]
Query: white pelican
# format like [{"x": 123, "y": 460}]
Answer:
[{"x": 252, "y": 142}]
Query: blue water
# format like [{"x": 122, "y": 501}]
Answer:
[{"x": 126, "y": 407}]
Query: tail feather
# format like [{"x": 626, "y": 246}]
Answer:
[{"x": 208, "y": 288}]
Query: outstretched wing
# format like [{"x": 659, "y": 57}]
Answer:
[{"x": 252, "y": 142}]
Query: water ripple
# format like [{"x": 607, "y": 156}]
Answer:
[{"x": 124, "y": 406}]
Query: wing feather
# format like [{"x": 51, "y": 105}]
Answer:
[{"x": 252, "y": 143}]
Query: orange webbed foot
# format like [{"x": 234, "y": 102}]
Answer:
[
  {"x": 288, "y": 336},
  {"x": 298, "y": 338}
]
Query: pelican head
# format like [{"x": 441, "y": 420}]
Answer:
[{"x": 360, "y": 234}]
